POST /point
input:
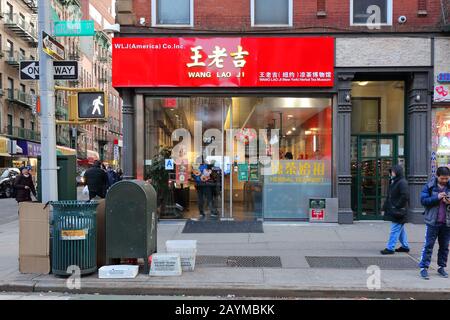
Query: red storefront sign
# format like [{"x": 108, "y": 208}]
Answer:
[{"x": 223, "y": 62}]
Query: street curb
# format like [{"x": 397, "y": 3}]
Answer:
[
  {"x": 233, "y": 291},
  {"x": 17, "y": 287}
]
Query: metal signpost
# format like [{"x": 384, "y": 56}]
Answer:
[{"x": 46, "y": 84}]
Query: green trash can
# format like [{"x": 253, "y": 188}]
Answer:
[{"x": 74, "y": 237}]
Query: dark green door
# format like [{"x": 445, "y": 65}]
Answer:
[{"x": 375, "y": 155}]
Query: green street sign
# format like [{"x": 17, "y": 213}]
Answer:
[{"x": 74, "y": 28}]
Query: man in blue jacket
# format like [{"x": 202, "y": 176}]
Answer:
[{"x": 435, "y": 197}]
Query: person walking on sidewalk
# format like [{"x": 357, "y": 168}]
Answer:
[
  {"x": 24, "y": 186},
  {"x": 435, "y": 197},
  {"x": 395, "y": 211},
  {"x": 96, "y": 180}
]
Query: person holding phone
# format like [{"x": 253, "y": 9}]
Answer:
[{"x": 435, "y": 198}]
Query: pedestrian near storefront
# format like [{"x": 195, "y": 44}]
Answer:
[
  {"x": 24, "y": 186},
  {"x": 112, "y": 176},
  {"x": 119, "y": 174},
  {"x": 395, "y": 210},
  {"x": 435, "y": 198},
  {"x": 97, "y": 181},
  {"x": 205, "y": 184}
]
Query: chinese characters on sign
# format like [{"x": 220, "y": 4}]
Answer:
[
  {"x": 217, "y": 57},
  {"x": 217, "y": 60},
  {"x": 303, "y": 76},
  {"x": 300, "y": 171}
]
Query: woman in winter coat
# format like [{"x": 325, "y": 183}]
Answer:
[
  {"x": 395, "y": 210},
  {"x": 24, "y": 186}
]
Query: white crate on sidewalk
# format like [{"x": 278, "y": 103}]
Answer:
[
  {"x": 187, "y": 250},
  {"x": 118, "y": 272}
]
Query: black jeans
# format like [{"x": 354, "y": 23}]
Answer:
[
  {"x": 205, "y": 193},
  {"x": 93, "y": 194}
]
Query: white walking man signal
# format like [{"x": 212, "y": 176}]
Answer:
[{"x": 97, "y": 103}]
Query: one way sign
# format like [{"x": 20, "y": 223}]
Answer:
[{"x": 63, "y": 70}]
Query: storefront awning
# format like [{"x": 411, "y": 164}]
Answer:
[
  {"x": 91, "y": 157},
  {"x": 65, "y": 151}
]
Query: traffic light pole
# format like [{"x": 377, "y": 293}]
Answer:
[{"x": 47, "y": 95}]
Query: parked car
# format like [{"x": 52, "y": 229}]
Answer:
[
  {"x": 7, "y": 182},
  {"x": 80, "y": 178}
]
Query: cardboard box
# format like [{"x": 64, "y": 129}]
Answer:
[{"x": 34, "y": 238}]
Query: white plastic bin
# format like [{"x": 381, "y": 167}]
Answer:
[{"x": 187, "y": 250}]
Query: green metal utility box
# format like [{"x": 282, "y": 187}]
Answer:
[
  {"x": 131, "y": 221},
  {"x": 74, "y": 242},
  {"x": 67, "y": 177}
]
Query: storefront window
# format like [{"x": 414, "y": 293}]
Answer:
[
  {"x": 440, "y": 138},
  {"x": 243, "y": 157},
  {"x": 378, "y": 107}
]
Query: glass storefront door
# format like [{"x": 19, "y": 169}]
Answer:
[
  {"x": 240, "y": 158},
  {"x": 375, "y": 155}
]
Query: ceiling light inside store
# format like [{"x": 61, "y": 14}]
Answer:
[
  {"x": 293, "y": 129},
  {"x": 363, "y": 83},
  {"x": 289, "y": 132},
  {"x": 294, "y": 103}
]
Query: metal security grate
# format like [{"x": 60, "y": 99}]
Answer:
[
  {"x": 239, "y": 261},
  {"x": 388, "y": 263}
]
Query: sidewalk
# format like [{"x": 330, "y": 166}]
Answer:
[{"x": 292, "y": 243}]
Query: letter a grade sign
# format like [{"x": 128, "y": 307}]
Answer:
[{"x": 92, "y": 105}]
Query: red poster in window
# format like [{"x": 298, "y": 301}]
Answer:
[
  {"x": 223, "y": 62},
  {"x": 317, "y": 214}
]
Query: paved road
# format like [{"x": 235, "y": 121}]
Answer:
[{"x": 8, "y": 210}]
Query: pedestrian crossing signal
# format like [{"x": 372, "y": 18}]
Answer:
[{"x": 92, "y": 105}]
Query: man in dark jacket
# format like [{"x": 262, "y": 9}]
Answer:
[
  {"x": 24, "y": 186},
  {"x": 434, "y": 198},
  {"x": 96, "y": 180},
  {"x": 395, "y": 210}
]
